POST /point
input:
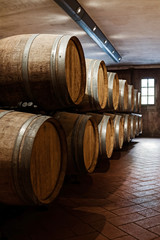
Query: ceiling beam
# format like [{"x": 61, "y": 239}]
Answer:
[{"x": 80, "y": 16}]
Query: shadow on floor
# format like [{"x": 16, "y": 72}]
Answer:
[
  {"x": 82, "y": 202},
  {"x": 117, "y": 154},
  {"x": 53, "y": 222}
]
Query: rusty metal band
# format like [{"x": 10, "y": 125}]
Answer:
[
  {"x": 16, "y": 164},
  {"x": 25, "y": 65},
  {"x": 55, "y": 89}
]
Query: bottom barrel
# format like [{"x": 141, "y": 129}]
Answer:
[
  {"x": 33, "y": 158},
  {"x": 119, "y": 131},
  {"x": 137, "y": 125},
  {"x": 127, "y": 127},
  {"x": 82, "y": 141},
  {"x": 133, "y": 126},
  {"x": 140, "y": 118}
]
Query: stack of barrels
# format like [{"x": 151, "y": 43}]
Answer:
[{"x": 80, "y": 113}]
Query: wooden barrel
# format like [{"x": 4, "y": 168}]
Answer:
[
  {"x": 135, "y": 100},
  {"x": 119, "y": 131},
  {"x": 46, "y": 69},
  {"x": 123, "y": 95},
  {"x": 139, "y": 102},
  {"x": 137, "y": 125},
  {"x": 130, "y": 98},
  {"x": 96, "y": 92},
  {"x": 127, "y": 127},
  {"x": 133, "y": 126},
  {"x": 82, "y": 141},
  {"x": 106, "y": 135},
  {"x": 113, "y": 91},
  {"x": 140, "y": 118},
  {"x": 33, "y": 158}
]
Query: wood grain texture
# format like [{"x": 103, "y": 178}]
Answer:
[
  {"x": 130, "y": 98},
  {"x": 54, "y": 75},
  {"x": 96, "y": 92},
  {"x": 133, "y": 126},
  {"x": 127, "y": 127},
  {"x": 123, "y": 95},
  {"x": 32, "y": 158},
  {"x": 106, "y": 135},
  {"x": 89, "y": 144},
  {"x": 119, "y": 131},
  {"x": 44, "y": 174},
  {"x": 82, "y": 141},
  {"x": 135, "y": 100},
  {"x": 113, "y": 91}
]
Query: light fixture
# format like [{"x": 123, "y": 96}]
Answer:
[
  {"x": 80, "y": 16},
  {"x": 94, "y": 29},
  {"x": 78, "y": 10}
]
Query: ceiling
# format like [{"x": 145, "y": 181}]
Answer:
[{"x": 133, "y": 26}]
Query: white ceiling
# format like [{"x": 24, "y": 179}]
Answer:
[{"x": 132, "y": 26}]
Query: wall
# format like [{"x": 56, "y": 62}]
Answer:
[{"x": 151, "y": 114}]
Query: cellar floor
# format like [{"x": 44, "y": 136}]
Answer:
[{"x": 117, "y": 202}]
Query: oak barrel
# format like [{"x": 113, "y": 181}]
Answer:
[
  {"x": 46, "y": 69},
  {"x": 130, "y": 98},
  {"x": 137, "y": 125},
  {"x": 135, "y": 100},
  {"x": 118, "y": 121},
  {"x": 133, "y": 126},
  {"x": 96, "y": 92},
  {"x": 106, "y": 135},
  {"x": 33, "y": 158},
  {"x": 119, "y": 131},
  {"x": 127, "y": 127},
  {"x": 82, "y": 141},
  {"x": 113, "y": 91},
  {"x": 123, "y": 95}
]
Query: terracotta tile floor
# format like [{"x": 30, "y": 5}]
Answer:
[{"x": 121, "y": 203}]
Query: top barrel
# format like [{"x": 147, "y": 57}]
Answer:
[{"x": 44, "y": 68}]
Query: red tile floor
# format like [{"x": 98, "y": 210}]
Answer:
[{"x": 121, "y": 203}]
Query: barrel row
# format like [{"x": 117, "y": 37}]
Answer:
[
  {"x": 37, "y": 151},
  {"x": 52, "y": 72}
]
